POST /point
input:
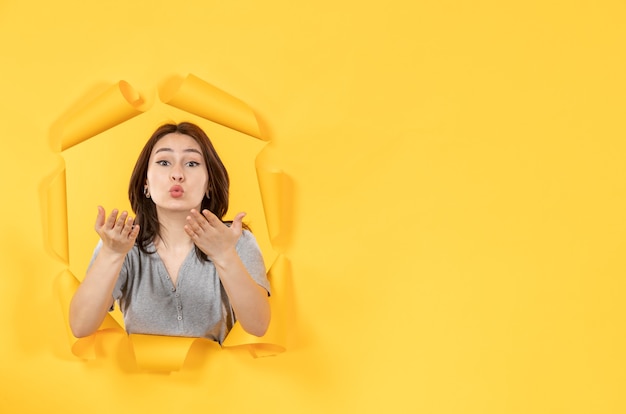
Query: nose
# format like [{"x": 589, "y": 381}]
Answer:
[{"x": 177, "y": 174}]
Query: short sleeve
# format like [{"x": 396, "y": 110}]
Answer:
[{"x": 251, "y": 257}]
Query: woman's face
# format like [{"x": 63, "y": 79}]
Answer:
[{"x": 177, "y": 177}]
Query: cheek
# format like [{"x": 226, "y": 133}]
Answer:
[
  {"x": 201, "y": 186},
  {"x": 203, "y": 180},
  {"x": 151, "y": 176}
]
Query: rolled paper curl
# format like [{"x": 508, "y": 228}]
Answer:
[
  {"x": 276, "y": 195},
  {"x": 160, "y": 353},
  {"x": 198, "y": 97},
  {"x": 117, "y": 104}
]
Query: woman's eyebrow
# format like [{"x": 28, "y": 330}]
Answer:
[{"x": 171, "y": 150}]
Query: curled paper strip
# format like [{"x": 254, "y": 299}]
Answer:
[
  {"x": 113, "y": 107},
  {"x": 117, "y": 104},
  {"x": 198, "y": 97},
  {"x": 161, "y": 353},
  {"x": 276, "y": 194}
]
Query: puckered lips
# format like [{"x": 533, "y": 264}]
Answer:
[{"x": 176, "y": 191}]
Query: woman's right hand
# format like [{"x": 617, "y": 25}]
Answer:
[
  {"x": 94, "y": 296},
  {"x": 118, "y": 234}
]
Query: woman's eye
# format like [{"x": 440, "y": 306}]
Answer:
[
  {"x": 163, "y": 163},
  {"x": 193, "y": 164}
]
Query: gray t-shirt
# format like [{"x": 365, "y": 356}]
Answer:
[{"x": 197, "y": 306}]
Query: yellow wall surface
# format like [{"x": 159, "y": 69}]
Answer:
[{"x": 457, "y": 189}]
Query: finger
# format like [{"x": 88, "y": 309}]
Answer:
[
  {"x": 121, "y": 221},
  {"x": 199, "y": 218},
  {"x": 128, "y": 226},
  {"x": 195, "y": 222},
  {"x": 211, "y": 218},
  {"x": 134, "y": 232},
  {"x": 100, "y": 217},
  {"x": 190, "y": 232},
  {"x": 111, "y": 219},
  {"x": 237, "y": 222}
]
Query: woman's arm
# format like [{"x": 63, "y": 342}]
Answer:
[
  {"x": 218, "y": 242},
  {"x": 248, "y": 299},
  {"x": 94, "y": 296}
]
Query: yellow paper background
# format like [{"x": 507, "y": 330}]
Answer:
[{"x": 456, "y": 233}]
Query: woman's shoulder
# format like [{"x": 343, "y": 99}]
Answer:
[
  {"x": 247, "y": 241},
  {"x": 247, "y": 236}
]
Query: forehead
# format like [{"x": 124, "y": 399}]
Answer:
[{"x": 176, "y": 142}]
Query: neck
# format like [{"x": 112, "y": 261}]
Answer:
[{"x": 172, "y": 235}]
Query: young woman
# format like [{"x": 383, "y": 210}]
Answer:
[{"x": 176, "y": 269}]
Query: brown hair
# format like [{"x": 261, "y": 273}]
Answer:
[{"x": 145, "y": 209}]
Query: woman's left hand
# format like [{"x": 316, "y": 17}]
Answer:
[
  {"x": 211, "y": 235},
  {"x": 219, "y": 241}
]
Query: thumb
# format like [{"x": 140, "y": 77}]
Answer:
[
  {"x": 237, "y": 222},
  {"x": 100, "y": 217}
]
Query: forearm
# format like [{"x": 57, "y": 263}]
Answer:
[
  {"x": 94, "y": 296},
  {"x": 248, "y": 299}
]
